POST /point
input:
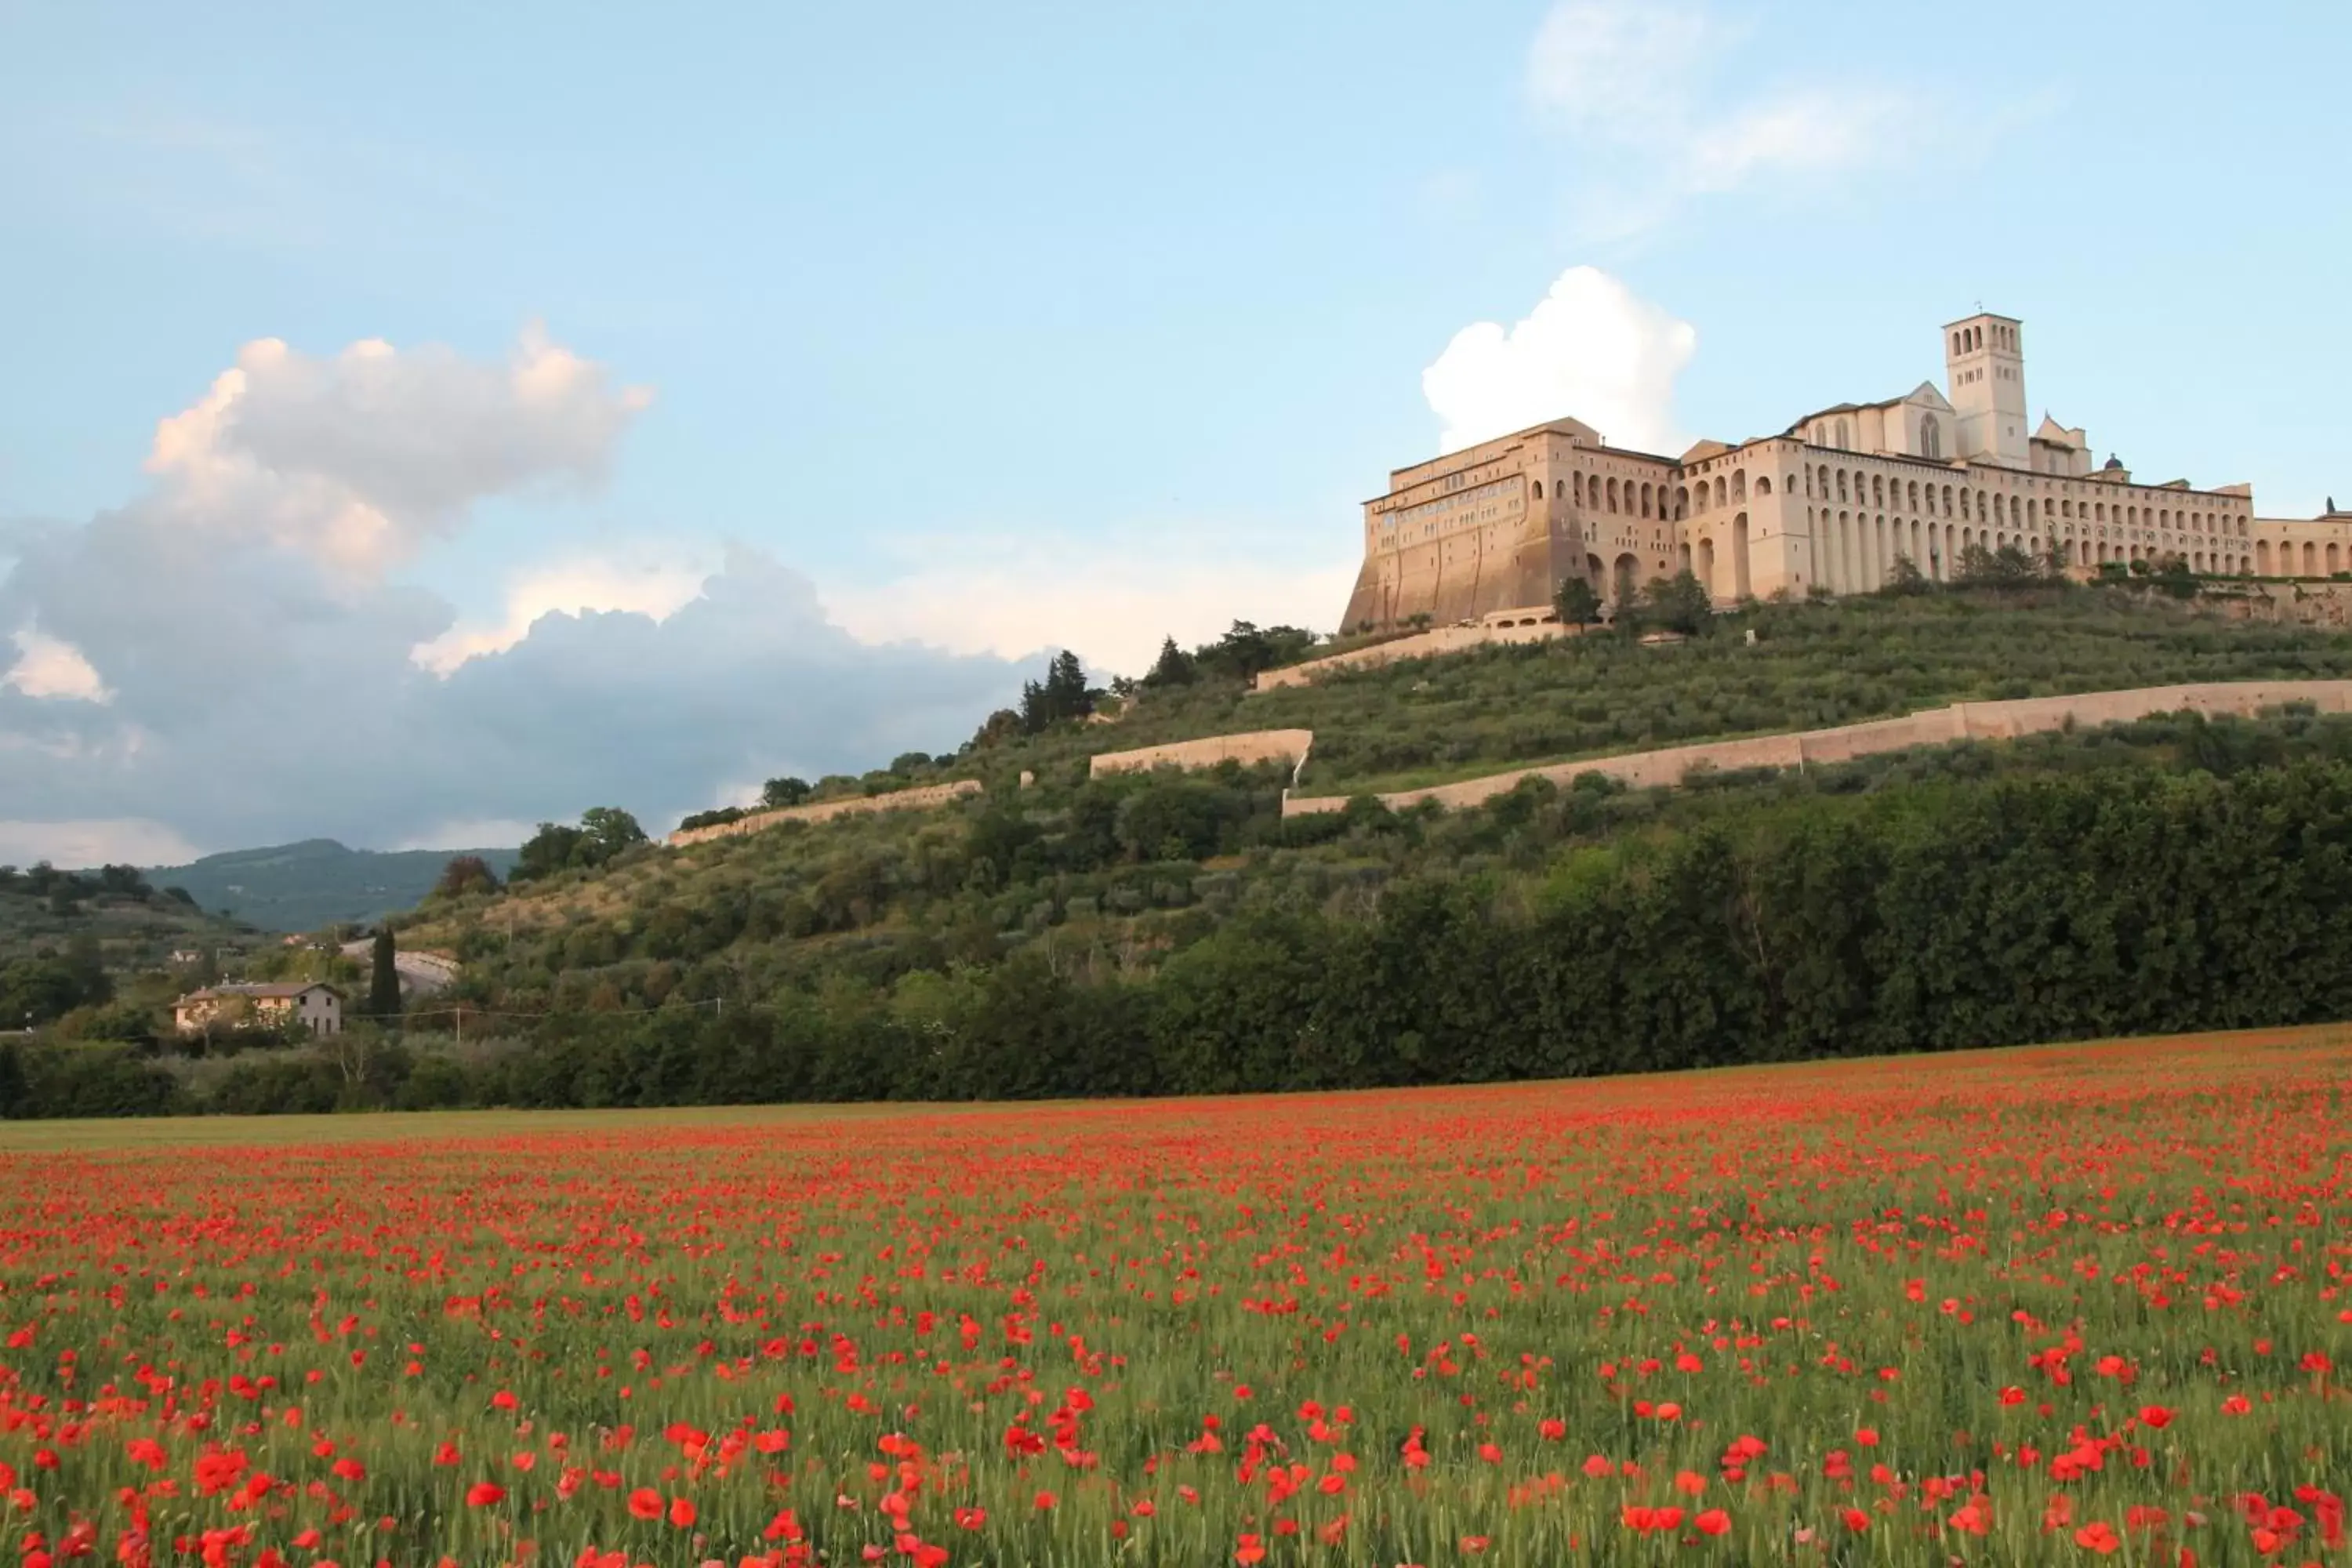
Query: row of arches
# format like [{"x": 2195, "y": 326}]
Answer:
[
  {"x": 1656, "y": 500},
  {"x": 1855, "y": 552},
  {"x": 2314, "y": 562},
  {"x": 1724, "y": 572},
  {"x": 1824, "y": 482},
  {"x": 1968, "y": 340}
]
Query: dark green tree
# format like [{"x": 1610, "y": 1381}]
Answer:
[
  {"x": 1063, "y": 695},
  {"x": 607, "y": 830},
  {"x": 465, "y": 874},
  {"x": 383, "y": 978},
  {"x": 777, "y": 794},
  {"x": 1174, "y": 666},
  {"x": 1678, "y": 604},
  {"x": 545, "y": 852},
  {"x": 1575, "y": 602}
]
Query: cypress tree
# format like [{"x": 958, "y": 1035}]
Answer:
[{"x": 383, "y": 982}]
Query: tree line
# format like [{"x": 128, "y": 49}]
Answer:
[{"x": 1891, "y": 908}]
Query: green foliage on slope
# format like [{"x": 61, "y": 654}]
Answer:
[
  {"x": 1172, "y": 933},
  {"x": 1812, "y": 666}
]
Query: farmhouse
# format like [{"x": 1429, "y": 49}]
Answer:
[{"x": 317, "y": 1005}]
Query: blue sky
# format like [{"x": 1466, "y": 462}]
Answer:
[{"x": 1033, "y": 325}]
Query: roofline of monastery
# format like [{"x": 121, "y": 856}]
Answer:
[{"x": 1941, "y": 464}]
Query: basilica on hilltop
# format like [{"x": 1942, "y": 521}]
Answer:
[{"x": 1830, "y": 505}]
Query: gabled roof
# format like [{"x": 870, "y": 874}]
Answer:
[
  {"x": 281, "y": 988},
  {"x": 1924, "y": 395}
]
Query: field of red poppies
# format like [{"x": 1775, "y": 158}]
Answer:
[{"x": 2029, "y": 1306}]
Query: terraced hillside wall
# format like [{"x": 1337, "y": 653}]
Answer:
[
  {"x": 1249, "y": 746},
  {"x": 922, "y": 798},
  {"x": 1421, "y": 645},
  {"x": 1929, "y": 727}
]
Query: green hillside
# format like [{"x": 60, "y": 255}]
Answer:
[
  {"x": 83, "y": 941},
  {"x": 1812, "y": 665},
  {"x": 1172, "y": 933},
  {"x": 135, "y": 923},
  {"x": 315, "y": 883}
]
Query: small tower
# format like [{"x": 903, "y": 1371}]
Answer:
[{"x": 1984, "y": 367}]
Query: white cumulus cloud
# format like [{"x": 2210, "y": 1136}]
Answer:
[
  {"x": 47, "y": 668},
  {"x": 360, "y": 459},
  {"x": 266, "y": 676},
  {"x": 652, "y": 586},
  {"x": 1589, "y": 349}
]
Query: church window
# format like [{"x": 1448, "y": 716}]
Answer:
[
  {"x": 1539, "y": 489},
  {"x": 1841, "y": 436},
  {"x": 1931, "y": 437}
]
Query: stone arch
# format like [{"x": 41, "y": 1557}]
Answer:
[
  {"x": 1705, "y": 565},
  {"x": 1613, "y": 495},
  {"x": 2335, "y": 561},
  {"x": 1628, "y": 571},
  {"x": 1741, "y": 587},
  {"x": 2262, "y": 557},
  {"x": 2310, "y": 560},
  {"x": 1539, "y": 489},
  {"x": 1763, "y": 485},
  {"x": 1739, "y": 487}
]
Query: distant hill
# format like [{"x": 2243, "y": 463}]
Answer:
[
  {"x": 315, "y": 883},
  {"x": 135, "y": 926}
]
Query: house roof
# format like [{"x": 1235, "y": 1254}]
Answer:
[{"x": 281, "y": 988}]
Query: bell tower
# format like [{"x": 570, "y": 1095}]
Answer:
[{"x": 1984, "y": 369}]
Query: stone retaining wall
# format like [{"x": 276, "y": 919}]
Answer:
[
  {"x": 1251, "y": 746},
  {"x": 1929, "y": 727},
  {"x": 922, "y": 798},
  {"x": 1421, "y": 645}
]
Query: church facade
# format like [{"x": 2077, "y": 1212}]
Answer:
[{"x": 1830, "y": 505}]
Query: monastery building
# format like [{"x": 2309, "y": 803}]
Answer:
[{"x": 1830, "y": 505}]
